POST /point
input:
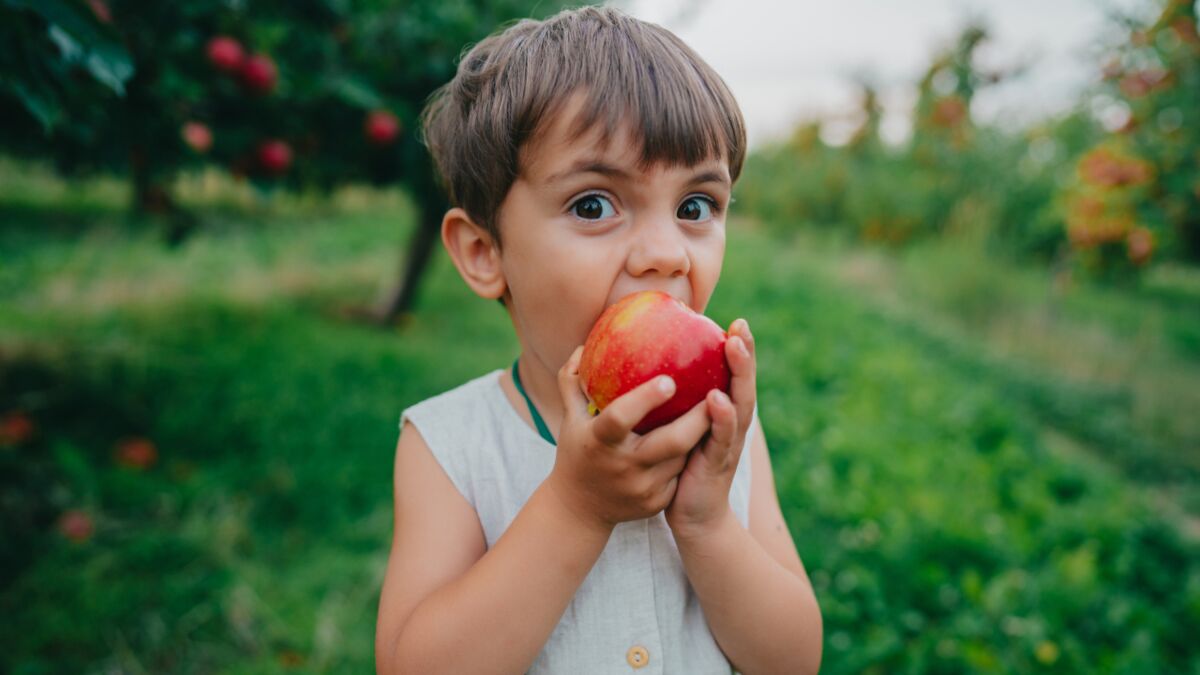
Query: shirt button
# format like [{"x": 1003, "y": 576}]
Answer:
[{"x": 637, "y": 656}]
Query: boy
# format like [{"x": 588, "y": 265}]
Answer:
[{"x": 590, "y": 155}]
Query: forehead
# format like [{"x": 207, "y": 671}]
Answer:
[{"x": 556, "y": 148}]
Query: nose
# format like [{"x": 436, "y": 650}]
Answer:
[{"x": 659, "y": 248}]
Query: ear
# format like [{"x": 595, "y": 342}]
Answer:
[{"x": 475, "y": 254}]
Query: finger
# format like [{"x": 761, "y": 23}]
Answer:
[
  {"x": 569, "y": 389},
  {"x": 617, "y": 420},
  {"x": 741, "y": 328},
  {"x": 720, "y": 450},
  {"x": 677, "y": 438},
  {"x": 670, "y": 468},
  {"x": 668, "y": 492},
  {"x": 743, "y": 383}
]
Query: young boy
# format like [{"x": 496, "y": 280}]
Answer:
[{"x": 590, "y": 155}]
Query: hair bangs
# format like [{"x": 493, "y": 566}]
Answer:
[{"x": 633, "y": 76}]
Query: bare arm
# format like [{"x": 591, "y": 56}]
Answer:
[
  {"x": 755, "y": 593},
  {"x": 448, "y": 607}
]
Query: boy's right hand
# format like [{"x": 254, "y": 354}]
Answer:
[{"x": 604, "y": 472}]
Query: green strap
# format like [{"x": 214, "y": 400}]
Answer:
[{"x": 537, "y": 419}]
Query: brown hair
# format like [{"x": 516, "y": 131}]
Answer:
[{"x": 512, "y": 82}]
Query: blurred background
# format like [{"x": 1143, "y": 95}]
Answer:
[{"x": 967, "y": 237}]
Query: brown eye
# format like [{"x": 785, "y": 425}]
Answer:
[
  {"x": 592, "y": 207},
  {"x": 695, "y": 208}
]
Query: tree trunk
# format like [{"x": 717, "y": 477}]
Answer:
[
  {"x": 420, "y": 251},
  {"x": 151, "y": 197}
]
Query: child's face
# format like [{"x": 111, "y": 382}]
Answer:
[{"x": 582, "y": 227}]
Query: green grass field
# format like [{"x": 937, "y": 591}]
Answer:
[{"x": 985, "y": 469}]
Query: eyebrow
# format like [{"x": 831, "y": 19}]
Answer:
[{"x": 597, "y": 166}]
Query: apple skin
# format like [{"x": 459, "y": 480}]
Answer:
[
  {"x": 381, "y": 127},
  {"x": 647, "y": 334},
  {"x": 197, "y": 136},
  {"x": 259, "y": 74},
  {"x": 274, "y": 156},
  {"x": 225, "y": 53}
]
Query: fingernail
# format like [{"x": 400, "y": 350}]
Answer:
[
  {"x": 741, "y": 345},
  {"x": 666, "y": 385}
]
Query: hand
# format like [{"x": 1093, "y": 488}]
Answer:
[
  {"x": 603, "y": 471},
  {"x": 702, "y": 497}
]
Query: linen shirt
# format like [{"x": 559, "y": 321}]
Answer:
[{"x": 635, "y": 612}]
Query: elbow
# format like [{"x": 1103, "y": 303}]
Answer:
[
  {"x": 389, "y": 660},
  {"x": 812, "y": 638},
  {"x": 815, "y": 652},
  {"x": 399, "y": 657}
]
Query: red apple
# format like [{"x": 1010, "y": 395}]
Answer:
[
  {"x": 648, "y": 334},
  {"x": 274, "y": 156},
  {"x": 225, "y": 53},
  {"x": 197, "y": 136},
  {"x": 101, "y": 10},
  {"x": 136, "y": 453},
  {"x": 76, "y": 525},
  {"x": 259, "y": 74},
  {"x": 15, "y": 428},
  {"x": 381, "y": 127}
]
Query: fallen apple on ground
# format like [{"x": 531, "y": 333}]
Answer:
[{"x": 647, "y": 334}]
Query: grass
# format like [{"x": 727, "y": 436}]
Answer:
[
  {"x": 1115, "y": 366},
  {"x": 935, "y": 464}
]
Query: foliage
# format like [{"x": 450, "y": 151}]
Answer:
[
  {"x": 952, "y": 177},
  {"x": 50, "y": 44},
  {"x": 323, "y": 69},
  {"x": 1137, "y": 195},
  {"x": 1117, "y": 201}
]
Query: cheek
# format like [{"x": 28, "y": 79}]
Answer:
[
  {"x": 709, "y": 258},
  {"x": 563, "y": 287}
]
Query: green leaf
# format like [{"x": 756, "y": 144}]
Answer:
[
  {"x": 111, "y": 67},
  {"x": 41, "y": 104},
  {"x": 354, "y": 91},
  {"x": 82, "y": 39}
]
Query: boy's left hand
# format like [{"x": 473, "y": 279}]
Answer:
[{"x": 702, "y": 495}]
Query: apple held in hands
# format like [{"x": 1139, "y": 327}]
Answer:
[{"x": 647, "y": 334}]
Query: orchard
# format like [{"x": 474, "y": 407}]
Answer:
[{"x": 286, "y": 95}]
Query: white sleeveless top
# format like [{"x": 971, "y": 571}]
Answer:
[{"x": 635, "y": 612}]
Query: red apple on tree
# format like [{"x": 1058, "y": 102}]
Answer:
[
  {"x": 259, "y": 74},
  {"x": 381, "y": 127},
  {"x": 15, "y": 428},
  {"x": 76, "y": 525},
  {"x": 197, "y": 136},
  {"x": 225, "y": 53},
  {"x": 274, "y": 156},
  {"x": 136, "y": 453},
  {"x": 648, "y": 334}
]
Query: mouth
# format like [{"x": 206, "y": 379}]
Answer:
[{"x": 683, "y": 295}]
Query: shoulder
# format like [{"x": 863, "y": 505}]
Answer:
[
  {"x": 471, "y": 393},
  {"x": 454, "y": 425}
]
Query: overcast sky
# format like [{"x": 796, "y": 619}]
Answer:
[{"x": 786, "y": 61}]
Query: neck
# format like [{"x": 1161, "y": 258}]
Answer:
[{"x": 541, "y": 385}]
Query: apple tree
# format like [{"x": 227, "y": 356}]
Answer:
[
  {"x": 1136, "y": 195},
  {"x": 303, "y": 95}
]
